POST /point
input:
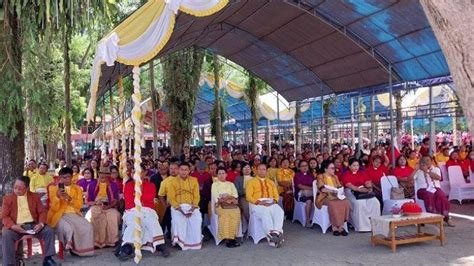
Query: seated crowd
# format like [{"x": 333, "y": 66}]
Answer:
[{"x": 96, "y": 207}]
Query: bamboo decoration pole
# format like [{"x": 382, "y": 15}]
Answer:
[{"x": 138, "y": 138}]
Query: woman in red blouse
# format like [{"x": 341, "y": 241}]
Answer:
[
  {"x": 375, "y": 171},
  {"x": 355, "y": 179},
  {"x": 455, "y": 160},
  {"x": 404, "y": 174}
]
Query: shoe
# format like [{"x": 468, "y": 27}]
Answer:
[
  {"x": 273, "y": 237},
  {"x": 48, "y": 261},
  {"x": 344, "y": 232},
  {"x": 126, "y": 252},
  {"x": 450, "y": 223},
  {"x": 336, "y": 233},
  {"x": 279, "y": 241},
  {"x": 164, "y": 251}
]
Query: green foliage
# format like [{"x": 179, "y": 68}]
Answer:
[{"x": 181, "y": 73}]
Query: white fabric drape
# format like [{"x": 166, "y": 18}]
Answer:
[{"x": 148, "y": 44}]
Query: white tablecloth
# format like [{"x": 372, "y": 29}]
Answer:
[{"x": 381, "y": 224}]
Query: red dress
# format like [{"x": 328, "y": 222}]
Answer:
[
  {"x": 402, "y": 172},
  {"x": 375, "y": 174},
  {"x": 356, "y": 179},
  {"x": 148, "y": 195}
]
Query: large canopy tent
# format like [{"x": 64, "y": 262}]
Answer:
[
  {"x": 303, "y": 49},
  {"x": 308, "y": 48}
]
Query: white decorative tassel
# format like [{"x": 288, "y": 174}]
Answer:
[{"x": 138, "y": 137}]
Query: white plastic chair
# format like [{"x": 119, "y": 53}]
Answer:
[
  {"x": 460, "y": 190},
  {"x": 214, "y": 224},
  {"x": 321, "y": 216},
  {"x": 418, "y": 200},
  {"x": 299, "y": 212},
  {"x": 445, "y": 187},
  {"x": 386, "y": 183},
  {"x": 255, "y": 227}
]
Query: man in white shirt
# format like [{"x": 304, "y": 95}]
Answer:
[{"x": 427, "y": 181}]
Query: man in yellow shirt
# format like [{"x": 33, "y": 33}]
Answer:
[
  {"x": 23, "y": 212},
  {"x": 186, "y": 219},
  {"x": 262, "y": 194},
  {"x": 41, "y": 180},
  {"x": 31, "y": 169},
  {"x": 163, "y": 194}
]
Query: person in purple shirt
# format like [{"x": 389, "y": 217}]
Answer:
[
  {"x": 303, "y": 183},
  {"x": 85, "y": 183},
  {"x": 102, "y": 197}
]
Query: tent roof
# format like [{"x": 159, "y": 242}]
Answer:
[{"x": 307, "y": 48}]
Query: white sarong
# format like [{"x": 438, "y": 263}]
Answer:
[
  {"x": 152, "y": 234},
  {"x": 361, "y": 211},
  {"x": 186, "y": 231},
  {"x": 272, "y": 217}
]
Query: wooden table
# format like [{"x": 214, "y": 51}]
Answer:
[{"x": 393, "y": 240}]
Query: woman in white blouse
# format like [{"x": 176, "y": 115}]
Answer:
[{"x": 427, "y": 181}]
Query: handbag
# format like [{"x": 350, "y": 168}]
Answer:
[
  {"x": 396, "y": 193},
  {"x": 363, "y": 195}
]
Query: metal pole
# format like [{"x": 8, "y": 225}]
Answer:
[
  {"x": 278, "y": 118},
  {"x": 359, "y": 127},
  {"x": 312, "y": 129},
  {"x": 352, "y": 124},
  {"x": 321, "y": 142},
  {"x": 432, "y": 126},
  {"x": 392, "y": 131},
  {"x": 412, "y": 132},
  {"x": 372, "y": 118}
]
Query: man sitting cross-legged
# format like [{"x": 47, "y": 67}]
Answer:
[
  {"x": 152, "y": 234},
  {"x": 186, "y": 220},
  {"x": 262, "y": 194}
]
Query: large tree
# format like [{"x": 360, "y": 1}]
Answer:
[
  {"x": 23, "y": 21},
  {"x": 451, "y": 22},
  {"x": 255, "y": 87},
  {"x": 11, "y": 121},
  {"x": 181, "y": 73}
]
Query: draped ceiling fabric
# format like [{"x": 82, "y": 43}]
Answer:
[
  {"x": 140, "y": 38},
  {"x": 308, "y": 48}
]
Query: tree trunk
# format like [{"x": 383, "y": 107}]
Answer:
[
  {"x": 33, "y": 142},
  {"x": 67, "y": 95},
  {"x": 253, "y": 111},
  {"x": 12, "y": 131},
  {"x": 451, "y": 22},
  {"x": 181, "y": 73},
  {"x": 298, "y": 127},
  {"x": 399, "y": 115},
  {"x": 216, "y": 67},
  {"x": 51, "y": 151},
  {"x": 154, "y": 104},
  {"x": 327, "y": 124}
]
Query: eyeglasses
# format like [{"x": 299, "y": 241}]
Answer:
[{"x": 332, "y": 167}]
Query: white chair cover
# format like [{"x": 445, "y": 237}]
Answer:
[
  {"x": 387, "y": 182},
  {"x": 459, "y": 189}
]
